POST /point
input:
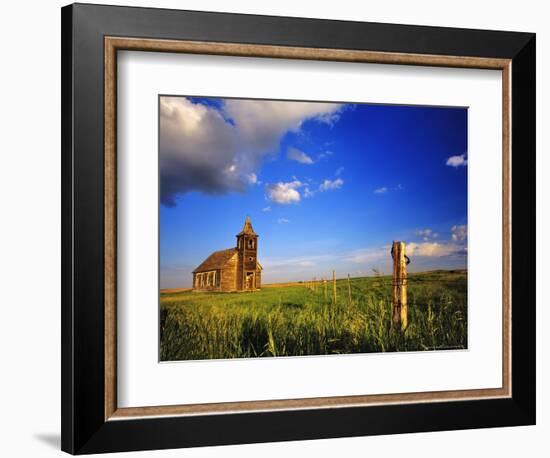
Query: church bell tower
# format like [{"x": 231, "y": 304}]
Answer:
[{"x": 247, "y": 247}]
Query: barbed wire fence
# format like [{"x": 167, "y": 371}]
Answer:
[{"x": 398, "y": 280}]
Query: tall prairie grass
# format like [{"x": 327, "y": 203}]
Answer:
[{"x": 297, "y": 321}]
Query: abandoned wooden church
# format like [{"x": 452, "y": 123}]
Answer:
[{"x": 234, "y": 269}]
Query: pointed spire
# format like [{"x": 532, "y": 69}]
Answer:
[{"x": 247, "y": 228}]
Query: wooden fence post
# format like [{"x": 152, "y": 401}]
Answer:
[
  {"x": 400, "y": 309},
  {"x": 349, "y": 289},
  {"x": 334, "y": 286}
]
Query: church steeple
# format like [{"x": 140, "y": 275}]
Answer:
[
  {"x": 247, "y": 228},
  {"x": 247, "y": 264}
]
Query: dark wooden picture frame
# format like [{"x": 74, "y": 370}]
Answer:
[{"x": 91, "y": 37}]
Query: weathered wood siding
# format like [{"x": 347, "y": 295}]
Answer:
[
  {"x": 251, "y": 253},
  {"x": 239, "y": 276},
  {"x": 229, "y": 275},
  {"x": 207, "y": 287},
  {"x": 258, "y": 279}
]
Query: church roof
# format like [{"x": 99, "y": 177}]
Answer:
[
  {"x": 247, "y": 228},
  {"x": 216, "y": 260}
]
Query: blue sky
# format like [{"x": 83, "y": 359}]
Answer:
[{"x": 327, "y": 186}]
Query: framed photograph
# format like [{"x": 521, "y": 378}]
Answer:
[{"x": 282, "y": 228}]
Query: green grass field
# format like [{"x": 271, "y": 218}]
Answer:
[{"x": 296, "y": 321}]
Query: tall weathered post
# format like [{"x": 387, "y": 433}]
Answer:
[
  {"x": 400, "y": 309},
  {"x": 334, "y": 286}
]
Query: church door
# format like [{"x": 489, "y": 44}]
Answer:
[{"x": 249, "y": 280}]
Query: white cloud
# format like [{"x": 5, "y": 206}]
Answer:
[
  {"x": 266, "y": 209},
  {"x": 253, "y": 178},
  {"x": 288, "y": 263},
  {"x": 425, "y": 249},
  {"x": 283, "y": 221},
  {"x": 459, "y": 232},
  {"x": 422, "y": 249},
  {"x": 424, "y": 232},
  {"x": 288, "y": 193},
  {"x": 457, "y": 161},
  {"x": 263, "y": 122},
  {"x": 284, "y": 193},
  {"x": 427, "y": 234},
  {"x": 325, "y": 154},
  {"x": 424, "y": 256},
  {"x": 328, "y": 184},
  {"x": 432, "y": 249},
  {"x": 369, "y": 255},
  {"x": 294, "y": 154},
  {"x": 385, "y": 189},
  {"x": 339, "y": 171},
  {"x": 308, "y": 192},
  {"x": 215, "y": 150}
]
